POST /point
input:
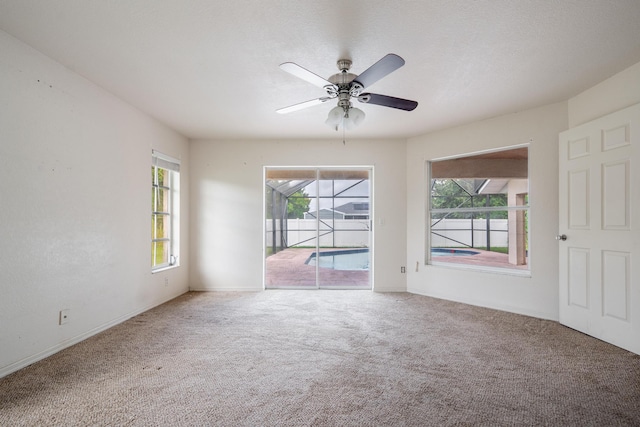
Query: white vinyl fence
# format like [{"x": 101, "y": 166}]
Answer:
[
  {"x": 347, "y": 233},
  {"x": 350, "y": 233},
  {"x": 458, "y": 233}
]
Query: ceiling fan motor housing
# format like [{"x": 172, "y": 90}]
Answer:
[{"x": 343, "y": 84}]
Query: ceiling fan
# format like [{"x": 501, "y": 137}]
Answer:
[{"x": 344, "y": 86}]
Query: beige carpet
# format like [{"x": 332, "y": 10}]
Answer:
[{"x": 314, "y": 358}]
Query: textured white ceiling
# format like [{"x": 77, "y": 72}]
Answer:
[{"x": 209, "y": 68}]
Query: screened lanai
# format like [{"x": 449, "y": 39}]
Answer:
[
  {"x": 478, "y": 209},
  {"x": 317, "y": 228}
]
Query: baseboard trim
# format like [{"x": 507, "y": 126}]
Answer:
[
  {"x": 246, "y": 289},
  {"x": 29, "y": 360}
]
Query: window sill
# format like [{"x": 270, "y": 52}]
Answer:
[
  {"x": 482, "y": 269},
  {"x": 161, "y": 269}
]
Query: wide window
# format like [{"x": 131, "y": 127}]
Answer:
[
  {"x": 479, "y": 211},
  {"x": 165, "y": 211}
]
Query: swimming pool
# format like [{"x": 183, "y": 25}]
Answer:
[
  {"x": 350, "y": 259},
  {"x": 358, "y": 259}
]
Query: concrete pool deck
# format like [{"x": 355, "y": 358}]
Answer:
[
  {"x": 484, "y": 258},
  {"x": 287, "y": 269}
]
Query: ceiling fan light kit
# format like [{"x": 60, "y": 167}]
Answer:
[
  {"x": 344, "y": 86},
  {"x": 349, "y": 118}
]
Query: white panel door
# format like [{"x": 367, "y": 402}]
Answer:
[{"x": 599, "y": 232}]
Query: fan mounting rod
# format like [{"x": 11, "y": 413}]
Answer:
[{"x": 344, "y": 65}]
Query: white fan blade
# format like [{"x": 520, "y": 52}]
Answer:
[
  {"x": 303, "y": 105},
  {"x": 305, "y": 74}
]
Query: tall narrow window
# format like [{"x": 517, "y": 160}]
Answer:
[
  {"x": 165, "y": 211},
  {"x": 479, "y": 211}
]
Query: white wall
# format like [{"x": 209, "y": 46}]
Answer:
[
  {"x": 615, "y": 93},
  {"x": 536, "y": 295},
  {"x": 75, "y": 207},
  {"x": 227, "y": 188}
]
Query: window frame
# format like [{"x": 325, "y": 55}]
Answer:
[
  {"x": 429, "y": 211},
  {"x": 171, "y": 185}
]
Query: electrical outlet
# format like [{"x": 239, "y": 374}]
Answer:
[
  {"x": 403, "y": 269},
  {"x": 64, "y": 316},
  {"x": 166, "y": 281}
]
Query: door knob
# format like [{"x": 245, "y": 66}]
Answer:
[{"x": 562, "y": 237}]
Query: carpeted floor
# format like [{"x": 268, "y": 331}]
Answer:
[{"x": 339, "y": 358}]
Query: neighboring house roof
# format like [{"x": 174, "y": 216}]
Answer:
[
  {"x": 324, "y": 213},
  {"x": 354, "y": 208}
]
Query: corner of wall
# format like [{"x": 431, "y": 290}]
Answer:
[{"x": 615, "y": 93}]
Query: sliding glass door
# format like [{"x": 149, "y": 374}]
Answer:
[{"x": 317, "y": 228}]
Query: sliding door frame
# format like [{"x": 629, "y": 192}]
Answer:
[{"x": 318, "y": 170}]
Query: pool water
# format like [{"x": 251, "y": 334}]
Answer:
[
  {"x": 352, "y": 259},
  {"x": 358, "y": 259}
]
